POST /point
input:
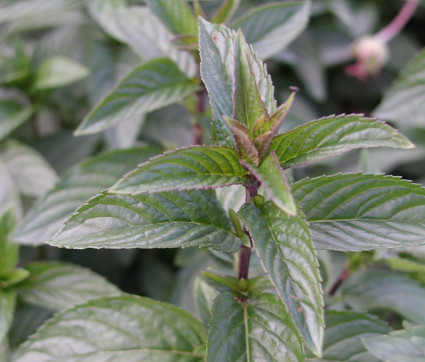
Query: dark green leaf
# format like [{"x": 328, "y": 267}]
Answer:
[
  {"x": 185, "y": 169},
  {"x": 343, "y": 334},
  {"x": 362, "y": 212},
  {"x": 126, "y": 328},
  {"x": 405, "y": 345},
  {"x": 274, "y": 181},
  {"x": 283, "y": 244},
  {"x": 252, "y": 330},
  {"x": 58, "y": 285},
  {"x": 57, "y": 72},
  {"x": 176, "y": 15},
  {"x": 404, "y": 103},
  {"x": 76, "y": 187},
  {"x": 7, "y": 308},
  {"x": 334, "y": 135},
  {"x": 152, "y": 85},
  {"x": 272, "y": 27},
  {"x": 369, "y": 290},
  {"x": 162, "y": 220},
  {"x": 12, "y": 114}
]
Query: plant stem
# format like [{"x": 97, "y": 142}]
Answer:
[
  {"x": 398, "y": 22},
  {"x": 200, "y": 108},
  {"x": 345, "y": 273},
  {"x": 245, "y": 251}
]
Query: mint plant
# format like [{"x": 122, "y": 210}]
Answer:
[{"x": 252, "y": 233}]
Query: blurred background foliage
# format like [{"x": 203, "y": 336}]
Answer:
[{"x": 58, "y": 58}]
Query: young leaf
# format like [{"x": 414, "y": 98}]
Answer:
[
  {"x": 334, "y": 135},
  {"x": 59, "y": 285},
  {"x": 185, "y": 169},
  {"x": 404, "y": 345},
  {"x": 380, "y": 289},
  {"x": 77, "y": 186},
  {"x": 283, "y": 244},
  {"x": 362, "y": 212},
  {"x": 152, "y": 85},
  {"x": 176, "y": 15},
  {"x": 218, "y": 68},
  {"x": 272, "y": 27},
  {"x": 274, "y": 181},
  {"x": 252, "y": 330},
  {"x": 343, "y": 334},
  {"x": 12, "y": 115},
  {"x": 404, "y": 103},
  {"x": 57, "y": 72},
  {"x": 30, "y": 171},
  {"x": 162, "y": 220},
  {"x": 100, "y": 329},
  {"x": 7, "y": 308}
]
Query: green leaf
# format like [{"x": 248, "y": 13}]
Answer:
[
  {"x": 176, "y": 15},
  {"x": 218, "y": 69},
  {"x": 149, "y": 86},
  {"x": 185, "y": 169},
  {"x": 404, "y": 345},
  {"x": 225, "y": 12},
  {"x": 12, "y": 115},
  {"x": 344, "y": 333},
  {"x": 7, "y": 309},
  {"x": 272, "y": 27},
  {"x": 204, "y": 300},
  {"x": 362, "y": 212},
  {"x": 334, "y": 135},
  {"x": 404, "y": 103},
  {"x": 379, "y": 289},
  {"x": 12, "y": 276},
  {"x": 411, "y": 264},
  {"x": 125, "y": 328},
  {"x": 252, "y": 330},
  {"x": 58, "y": 71},
  {"x": 141, "y": 30},
  {"x": 274, "y": 181},
  {"x": 283, "y": 244},
  {"x": 9, "y": 195},
  {"x": 58, "y": 286},
  {"x": 8, "y": 251},
  {"x": 162, "y": 220},
  {"x": 77, "y": 186},
  {"x": 29, "y": 170}
]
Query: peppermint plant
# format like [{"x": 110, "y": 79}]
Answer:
[{"x": 264, "y": 301}]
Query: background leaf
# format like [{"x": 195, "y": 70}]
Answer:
[
  {"x": 253, "y": 330},
  {"x": 8, "y": 251},
  {"x": 152, "y": 335},
  {"x": 76, "y": 187},
  {"x": 57, "y": 72},
  {"x": 147, "y": 87},
  {"x": 272, "y": 27},
  {"x": 163, "y": 220},
  {"x": 59, "y": 285},
  {"x": 185, "y": 169},
  {"x": 404, "y": 103},
  {"x": 12, "y": 115},
  {"x": 405, "y": 345},
  {"x": 283, "y": 244},
  {"x": 362, "y": 212},
  {"x": 7, "y": 308},
  {"x": 334, "y": 135}
]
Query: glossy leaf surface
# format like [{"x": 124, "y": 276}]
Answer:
[
  {"x": 334, "y": 135},
  {"x": 362, "y": 212},
  {"x": 99, "y": 330},
  {"x": 59, "y": 285},
  {"x": 185, "y": 169},
  {"x": 254, "y": 330},
  {"x": 73, "y": 189},
  {"x": 161, "y": 220},
  {"x": 283, "y": 244},
  {"x": 152, "y": 85}
]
